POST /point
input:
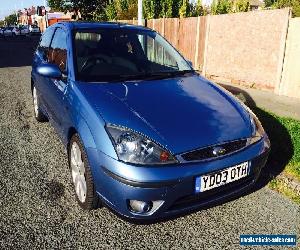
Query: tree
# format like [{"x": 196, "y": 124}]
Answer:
[
  {"x": 110, "y": 12},
  {"x": 221, "y": 7},
  {"x": 58, "y": 5},
  {"x": 2, "y": 23},
  {"x": 294, "y": 4},
  {"x": 126, "y": 9},
  {"x": 88, "y": 9},
  {"x": 198, "y": 9},
  {"x": 149, "y": 9},
  {"x": 184, "y": 10},
  {"x": 161, "y": 8},
  {"x": 241, "y": 6},
  {"x": 269, "y": 3},
  {"x": 12, "y": 19}
]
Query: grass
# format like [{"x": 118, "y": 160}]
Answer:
[
  {"x": 280, "y": 187},
  {"x": 284, "y": 134}
]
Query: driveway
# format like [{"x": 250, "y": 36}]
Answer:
[{"x": 37, "y": 204}]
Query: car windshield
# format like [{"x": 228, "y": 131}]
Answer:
[{"x": 125, "y": 54}]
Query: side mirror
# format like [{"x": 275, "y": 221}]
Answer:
[{"x": 49, "y": 70}]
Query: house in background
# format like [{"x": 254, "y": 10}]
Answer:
[
  {"x": 54, "y": 17},
  {"x": 41, "y": 16},
  {"x": 256, "y": 4},
  {"x": 27, "y": 15}
]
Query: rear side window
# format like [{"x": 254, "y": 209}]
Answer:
[
  {"x": 58, "y": 50},
  {"x": 43, "y": 47}
]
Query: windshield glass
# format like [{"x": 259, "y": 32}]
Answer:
[{"x": 120, "y": 54}]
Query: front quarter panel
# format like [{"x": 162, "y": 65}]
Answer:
[{"x": 88, "y": 123}]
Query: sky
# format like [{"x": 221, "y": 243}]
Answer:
[{"x": 9, "y": 6}]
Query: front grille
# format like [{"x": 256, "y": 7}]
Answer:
[
  {"x": 210, "y": 195},
  {"x": 207, "y": 153}
]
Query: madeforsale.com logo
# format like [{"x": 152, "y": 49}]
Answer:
[{"x": 268, "y": 240}]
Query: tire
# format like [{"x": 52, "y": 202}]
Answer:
[
  {"x": 38, "y": 113},
  {"x": 81, "y": 175}
]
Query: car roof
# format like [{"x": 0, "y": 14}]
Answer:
[{"x": 91, "y": 25}]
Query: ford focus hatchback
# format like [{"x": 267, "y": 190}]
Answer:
[{"x": 146, "y": 135}]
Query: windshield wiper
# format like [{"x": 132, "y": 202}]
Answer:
[
  {"x": 180, "y": 72},
  {"x": 152, "y": 75},
  {"x": 147, "y": 76}
]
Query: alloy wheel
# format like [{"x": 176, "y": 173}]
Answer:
[{"x": 78, "y": 172}]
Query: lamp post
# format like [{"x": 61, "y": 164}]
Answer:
[{"x": 140, "y": 12}]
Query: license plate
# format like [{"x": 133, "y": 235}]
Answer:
[{"x": 210, "y": 181}]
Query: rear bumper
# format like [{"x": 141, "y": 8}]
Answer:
[{"x": 117, "y": 183}]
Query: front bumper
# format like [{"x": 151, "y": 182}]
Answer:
[{"x": 117, "y": 182}]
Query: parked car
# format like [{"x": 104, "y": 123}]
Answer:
[
  {"x": 34, "y": 30},
  {"x": 8, "y": 31},
  {"x": 145, "y": 133},
  {"x": 1, "y": 31},
  {"x": 24, "y": 30},
  {"x": 16, "y": 31}
]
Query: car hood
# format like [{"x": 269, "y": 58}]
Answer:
[{"x": 182, "y": 113}]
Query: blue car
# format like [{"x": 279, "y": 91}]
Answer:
[{"x": 146, "y": 135}]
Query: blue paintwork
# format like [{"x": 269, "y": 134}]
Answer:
[
  {"x": 189, "y": 110},
  {"x": 182, "y": 114},
  {"x": 49, "y": 70}
]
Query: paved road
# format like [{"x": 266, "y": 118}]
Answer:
[{"x": 37, "y": 205}]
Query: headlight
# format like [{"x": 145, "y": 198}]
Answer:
[
  {"x": 135, "y": 148},
  {"x": 257, "y": 129}
]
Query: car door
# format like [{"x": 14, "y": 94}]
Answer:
[
  {"x": 55, "y": 89},
  {"x": 41, "y": 57}
]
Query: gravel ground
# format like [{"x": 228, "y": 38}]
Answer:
[{"x": 37, "y": 204}]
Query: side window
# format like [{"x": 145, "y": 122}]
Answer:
[
  {"x": 58, "y": 50},
  {"x": 45, "y": 43}
]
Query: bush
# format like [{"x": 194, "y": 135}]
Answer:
[{"x": 294, "y": 4}]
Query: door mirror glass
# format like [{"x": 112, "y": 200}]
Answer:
[{"x": 49, "y": 70}]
